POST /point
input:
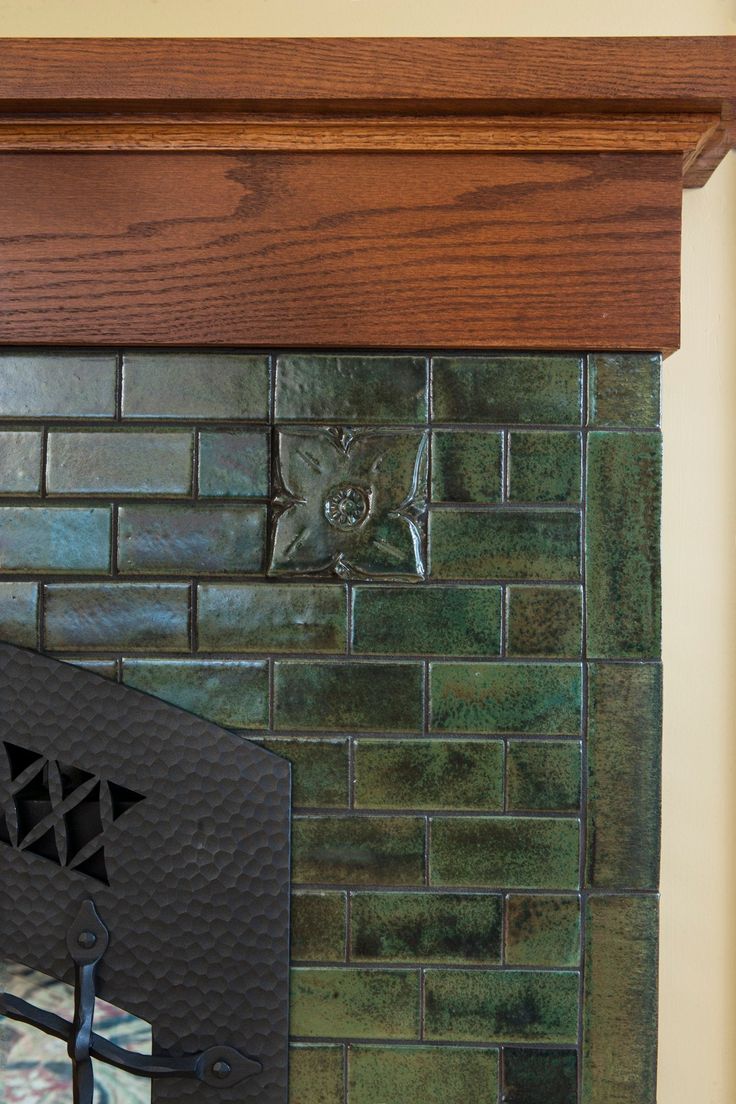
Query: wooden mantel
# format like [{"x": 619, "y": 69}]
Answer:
[{"x": 468, "y": 193}]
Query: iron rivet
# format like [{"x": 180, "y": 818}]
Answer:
[
  {"x": 222, "y": 1069},
  {"x": 86, "y": 940}
]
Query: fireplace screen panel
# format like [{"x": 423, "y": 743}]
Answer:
[{"x": 431, "y": 583}]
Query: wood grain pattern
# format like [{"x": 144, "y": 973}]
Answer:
[{"x": 349, "y": 249}]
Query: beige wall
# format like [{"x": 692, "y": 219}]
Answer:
[{"x": 698, "y": 981}]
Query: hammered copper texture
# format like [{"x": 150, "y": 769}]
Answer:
[{"x": 198, "y": 901}]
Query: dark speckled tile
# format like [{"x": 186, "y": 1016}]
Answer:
[
  {"x": 624, "y": 389},
  {"x": 318, "y": 926},
  {"x": 542, "y": 930},
  {"x": 544, "y": 467},
  {"x": 506, "y": 697},
  {"x": 429, "y": 774},
  {"x": 233, "y": 463},
  {"x": 316, "y": 1074},
  {"x": 358, "y": 850},
  {"x": 459, "y": 620},
  {"x": 354, "y": 1003},
  {"x": 466, "y": 466},
  {"x": 539, "y": 1076},
  {"x": 233, "y": 693},
  {"x": 276, "y": 617},
  {"x": 543, "y": 776},
  {"x": 426, "y": 927},
  {"x": 352, "y": 389},
  {"x": 426, "y": 1074},
  {"x": 344, "y": 697},
  {"x": 112, "y": 616},
  {"x": 507, "y": 389},
  {"x": 545, "y": 621},
  {"x": 504, "y": 851},
  {"x": 320, "y": 775},
  {"x": 504, "y": 544}
]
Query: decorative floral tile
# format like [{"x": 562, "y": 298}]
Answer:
[{"x": 350, "y": 502}]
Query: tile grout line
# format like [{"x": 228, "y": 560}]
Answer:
[{"x": 584, "y": 733}]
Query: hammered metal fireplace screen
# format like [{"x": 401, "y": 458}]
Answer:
[{"x": 144, "y": 857}]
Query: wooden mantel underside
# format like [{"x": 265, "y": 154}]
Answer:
[{"x": 467, "y": 193}]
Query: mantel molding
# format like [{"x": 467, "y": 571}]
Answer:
[{"x": 435, "y": 95}]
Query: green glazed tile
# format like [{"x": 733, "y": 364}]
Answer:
[
  {"x": 20, "y": 462},
  {"x": 503, "y": 1006},
  {"x": 507, "y": 389},
  {"x": 228, "y": 692},
  {"x": 19, "y": 614},
  {"x": 57, "y": 385},
  {"x": 466, "y": 466},
  {"x": 460, "y": 928},
  {"x": 620, "y": 1008},
  {"x": 539, "y": 1076},
  {"x": 316, "y": 1074},
  {"x": 543, "y": 775},
  {"x": 234, "y": 462},
  {"x": 319, "y": 776},
  {"x": 182, "y": 540},
  {"x": 344, "y": 1002},
  {"x": 106, "y": 668},
  {"x": 348, "y": 697},
  {"x": 195, "y": 385},
  {"x": 624, "y": 390},
  {"x": 119, "y": 462},
  {"x": 426, "y": 1074},
  {"x": 429, "y": 774},
  {"x": 111, "y": 616},
  {"x": 358, "y": 850},
  {"x": 54, "y": 539},
  {"x": 504, "y": 852},
  {"x": 544, "y": 467},
  {"x": 411, "y": 620},
  {"x": 363, "y": 389},
  {"x": 545, "y": 621},
  {"x": 525, "y": 698},
  {"x": 504, "y": 544},
  {"x": 542, "y": 931},
  {"x": 351, "y": 503},
  {"x": 622, "y": 545},
  {"x": 624, "y": 762},
  {"x": 275, "y": 617},
  {"x": 317, "y": 926}
]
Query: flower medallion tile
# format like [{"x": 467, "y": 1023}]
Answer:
[{"x": 349, "y": 502}]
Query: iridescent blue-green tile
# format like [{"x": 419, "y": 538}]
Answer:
[
  {"x": 429, "y": 774},
  {"x": 19, "y": 614},
  {"x": 348, "y": 697},
  {"x": 318, "y": 926},
  {"x": 512, "y": 852},
  {"x": 430, "y": 1074},
  {"x": 507, "y": 389},
  {"x": 62, "y": 539},
  {"x": 214, "y": 385},
  {"x": 57, "y": 385},
  {"x": 461, "y": 620},
  {"x": 533, "y": 1076},
  {"x": 504, "y": 1006},
  {"x": 316, "y": 1073},
  {"x": 460, "y": 928},
  {"x": 119, "y": 462},
  {"x": 115, "y": 616},
  {"x": 20, "y": 461},
  {"x": 105, "y": 668},
  {"x": 543, "y": 776},
  {"x": 542, "y": 930},
  {"x": 345, "y": 1002},
  {"x": 272, "y": 617},
  {"x": 545, "y": 621},
  {"x": 319, "y": 776},
  {"x": 182, "y": 540},
  {"x": 234, "y": 462},
  {"x": 623, "y": 389},
  {"x": 544, "y": 466},
  {"x": 362, "y": 389},
  {"x": 466, "y": 465},
  {"x": 344, "y": 850},
  {"x": 233, "y": 693},
  {"x": 497, "y": 543}
]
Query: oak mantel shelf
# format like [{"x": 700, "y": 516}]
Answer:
[{"x": 409, "y": 94}]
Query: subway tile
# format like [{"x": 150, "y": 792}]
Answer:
[
  {"x": 624, "y": 783},
  {"x": 20, "y": 461},
  {"x": 318, "y": 926},
  {"x": 507, "y": 389},
  {"x": 19, "y": 614},
  {"x": 411, "y": 620},
  {"x": 542, "y": 931},
  {"x": 105, "y": 668},
  {"x": 544, "y": 776},
  {"x": 501, "y": 543},
  {"x": 320, "y": 776},
  {"x": 345, "y": 697},
  {"x": 426, "y": 927},
  {"x": 363, "y": 389},
  {"x": 234, "y": 462},
  {"x": 275, "y": 617},
  {"x": 316, "y": 1074},
  {"x": 211, "y": 385},
  {"x": 524, "y": 698},
  {"x": 619, "y": 1053},
  {"x": 358, "y": 850},
  {"x": 545, "y": 621},
  {"x": 544, "y": 467},
  {"x": 504, "y": 852},
  {"x": 429, "y": 774},
  {"x": 228, "y": 692},
  {"x": 622, "y": 545},
  {"x": 539, "y": 1076},
  {"x": 60, "y": 539},
  {"x": 503, "y": 1006},
  {"x": 115, "y": 616},
  {"x": 119, "y": 462},
  {"x": 466, "y": 465},
  {"x": 57, "y": 385},
  {"x": 181, "y": 540},
  {"x": 426, "y": 1074},
  {"x": 347, "y": 1002},
  {"x": 623, "y": 390}
]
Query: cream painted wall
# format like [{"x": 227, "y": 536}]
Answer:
[{"x": 698, "y": 979}]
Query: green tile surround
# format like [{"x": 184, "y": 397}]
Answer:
[{"x": 432, "y": 583}]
